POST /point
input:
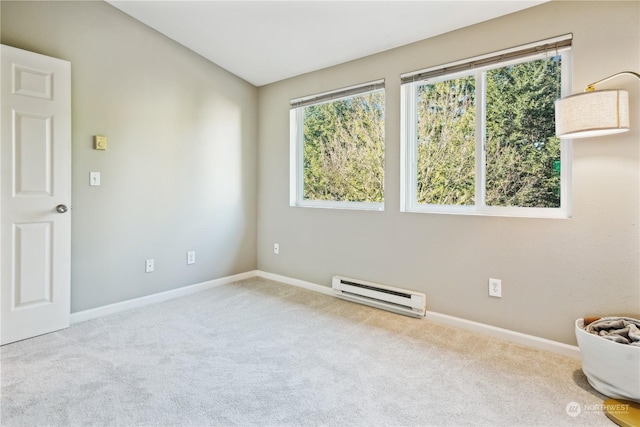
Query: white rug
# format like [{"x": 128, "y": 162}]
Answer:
[{"x": 258, "y": 352}]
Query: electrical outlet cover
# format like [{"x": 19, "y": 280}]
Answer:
[{"x": 495, "y": 288}]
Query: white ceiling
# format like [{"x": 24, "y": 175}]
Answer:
[{"x": 266, "y": 41}]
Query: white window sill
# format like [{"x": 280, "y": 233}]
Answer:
[
  {"x": 553, "y": 213},
  {"x": 323, "y": 204}
]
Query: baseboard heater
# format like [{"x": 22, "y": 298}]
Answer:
[{"x": 401, "y": 301}]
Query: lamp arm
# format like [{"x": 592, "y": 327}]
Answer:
[{"x": 592, "y": 86}]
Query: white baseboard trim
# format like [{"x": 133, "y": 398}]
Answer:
[
  {"x": 506, "y": 334},
  {"x": 94, "y": 313},
  {"x": 480, "y": 328},
  {"x": 295, "y": 282}
]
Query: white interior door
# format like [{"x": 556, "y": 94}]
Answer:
[{"x": 35, "y": 217}]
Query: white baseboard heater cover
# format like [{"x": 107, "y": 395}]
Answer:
[{"x": 402, "y": 301}]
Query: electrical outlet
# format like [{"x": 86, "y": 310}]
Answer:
[
  {"x": 149, "y": 266},
  {"x": 191, "y": 257},
  {"x": 495, "y": 288},
  {"x": 276, "y": 248}
]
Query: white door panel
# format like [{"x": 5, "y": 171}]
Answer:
[{"x": 35, "y": 161}]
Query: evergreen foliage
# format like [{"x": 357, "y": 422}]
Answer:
[
  {"x": 344, "y": 141},
  {"x": 521, "y": 143},
  {"x": 344, "y": 149},
  {"x": 522, "y": 151},
  {"x": 446, "y": 142}
]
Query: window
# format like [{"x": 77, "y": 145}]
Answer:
[
  {"x": 337, "y": 148},
  {"x": 479, "y": 135}
]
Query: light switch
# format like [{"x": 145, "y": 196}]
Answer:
[
  {"x": 100, "y": 142},
  {"x": 94, "y": 179}
]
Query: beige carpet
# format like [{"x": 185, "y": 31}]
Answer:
[{"x": 258, "y": 352}]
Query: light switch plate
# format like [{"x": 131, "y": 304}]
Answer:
[{"x": 94, "y": 179}]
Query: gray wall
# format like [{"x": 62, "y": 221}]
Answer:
[
  {"x": 180, "y": 171},
  {"x": 553, "y": 270}
]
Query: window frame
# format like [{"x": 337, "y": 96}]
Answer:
[
  {"x": 409, "y": 148},
  {"x": 296, "y": 144}
]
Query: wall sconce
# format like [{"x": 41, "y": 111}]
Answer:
[{"x": 594, "y": 112}]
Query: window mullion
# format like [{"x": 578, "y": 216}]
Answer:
[
  {"x": 566, "y": 145},
  {"x": 413, "y": 153},
  {"x": 481, "y": 136},
  {"x": 300, "y": 155},
  {"x": 293, "y": 157},
  {"x": 408, "y": 148}
]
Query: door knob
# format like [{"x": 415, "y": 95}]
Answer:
[{"x": 62, "y": 208}]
